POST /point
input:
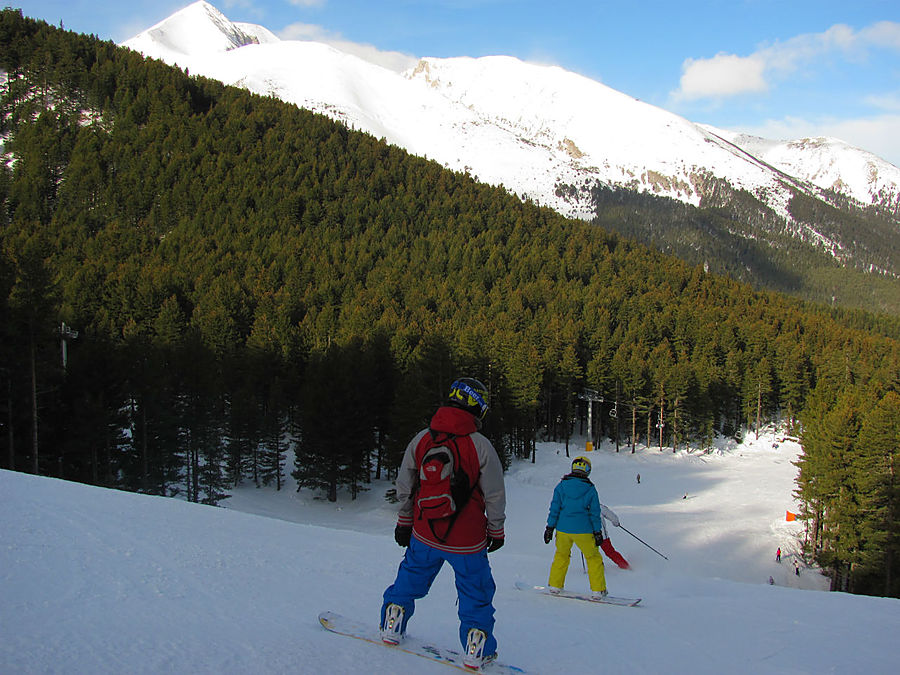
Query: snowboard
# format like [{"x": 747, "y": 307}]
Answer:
[
  {"x": 370, "y": 633},
  {"x": 608, "y": 600}
]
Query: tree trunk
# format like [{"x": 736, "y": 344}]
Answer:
[
  {"x": 108, "y": 479},
  {"x": 379, "y": 457},
  {"x": 278, "y": 476},
  {"x": 633, "y": 425},
  {"x": 11, "y": 451},
  {"x": 661, "y": 426},
  {"x": 145, "y": 460},
  {"x": 675, "y": 426},
  {"x": 890, "y": 547},
  {"x": 34, "y": 412},
  {"x": 195, "y": 472},
  {"x": 95, "y": 475},
  {"x": 616, "y": 408},
  {"x": 758, "y": 407}
]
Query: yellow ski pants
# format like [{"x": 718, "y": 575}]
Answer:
[{"x": 563, "y": 555}]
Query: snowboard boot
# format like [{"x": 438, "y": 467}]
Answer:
[
  {"x": 474, "y": 657},
  {"x": 391, "y": 629}
]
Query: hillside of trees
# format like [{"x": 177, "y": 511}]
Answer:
[
  {"x": 734, "y": 234},
  {"x": 247, "y": 278}
]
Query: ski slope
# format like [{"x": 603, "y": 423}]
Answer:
[{"x": 99, "y": 581}]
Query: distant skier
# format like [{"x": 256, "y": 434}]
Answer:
[
  {"x": 796, "y": 567},
  {"x": 778, "y": 555},
  {"x": 771, "y": 581},
  {"x": 426, "y": 488},
  {"x": 639, "y": 479},
  {"x": 577, "y": 516}
]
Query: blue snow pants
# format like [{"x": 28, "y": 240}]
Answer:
[{"x": 474, "y": 586}]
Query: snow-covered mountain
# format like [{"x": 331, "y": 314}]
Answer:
[
  {"x": 527, "y": 127},
  {"x": 197, "y": 30},
  {"x": 101, "y": 581},
  {"x": 828, "y": 163}
]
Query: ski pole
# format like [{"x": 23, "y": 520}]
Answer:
[{"x": 643, "y": 542}]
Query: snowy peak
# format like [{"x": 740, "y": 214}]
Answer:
[
  {"x": 540, "y": 131},
  {"x": 598, "y": 133},
  {"x": 828, "y": 163},
  {"x": 198, "y": 29},
  {"x": 531, "y": 97}
]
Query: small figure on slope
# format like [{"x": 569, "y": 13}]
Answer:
[
  {"x": 452, "y": 508},
  {"x": 778, "y": 555},
  {"x": 577, "y": 516}
]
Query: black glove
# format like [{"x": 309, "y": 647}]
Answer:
[
  {"x": 548, "y": 534},
  {"x": 402, "y": 535},
  {"x": 494, "y": 543},
  {"x": 598, "y": 538}
]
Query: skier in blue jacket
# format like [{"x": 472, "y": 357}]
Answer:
[{"x": 577, "y": 516}]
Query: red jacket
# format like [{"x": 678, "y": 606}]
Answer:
[{"x": 484, "y": 514}]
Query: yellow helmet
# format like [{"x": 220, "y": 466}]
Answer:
[{"x": 581, "y": 465}]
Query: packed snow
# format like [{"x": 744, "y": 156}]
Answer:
[{"x": 100, "y": 581}]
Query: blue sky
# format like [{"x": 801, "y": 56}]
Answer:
[{"x": 776, "y": 68}]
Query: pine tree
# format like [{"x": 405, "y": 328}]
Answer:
[
  {"x": 878, "y": 492},
  {"x": 32, "y": 299}
]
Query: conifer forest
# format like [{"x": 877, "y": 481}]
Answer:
[{"x": 197, "y": 283}]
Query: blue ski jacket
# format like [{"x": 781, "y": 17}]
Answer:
[{"x": 575, "y": 507}]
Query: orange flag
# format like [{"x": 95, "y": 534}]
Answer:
[{"x": 790, "y": 516}]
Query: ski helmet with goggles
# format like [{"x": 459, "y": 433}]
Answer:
[
  {"x": 581, "y": 465},
  {"x": 470, "y": 395}
]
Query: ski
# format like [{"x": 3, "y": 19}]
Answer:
[
  {"x": 608, "y": 600},
  {"x": 370, "y": 633}
]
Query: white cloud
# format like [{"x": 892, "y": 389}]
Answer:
[
  {"x": 396, "y": 61},
  {"x": 304, "y": 31},
  {"x": 883, "y": 34},
  {"x": 721, "y": 76},
  {"x": 726, "y": 75},
  {"x": 887, "y": 102},
  {"x": 307, "y": 3},
  {"x": 879, "y": 134}
]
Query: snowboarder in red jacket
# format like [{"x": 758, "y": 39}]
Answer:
[{"x": 462, "y": 539}]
